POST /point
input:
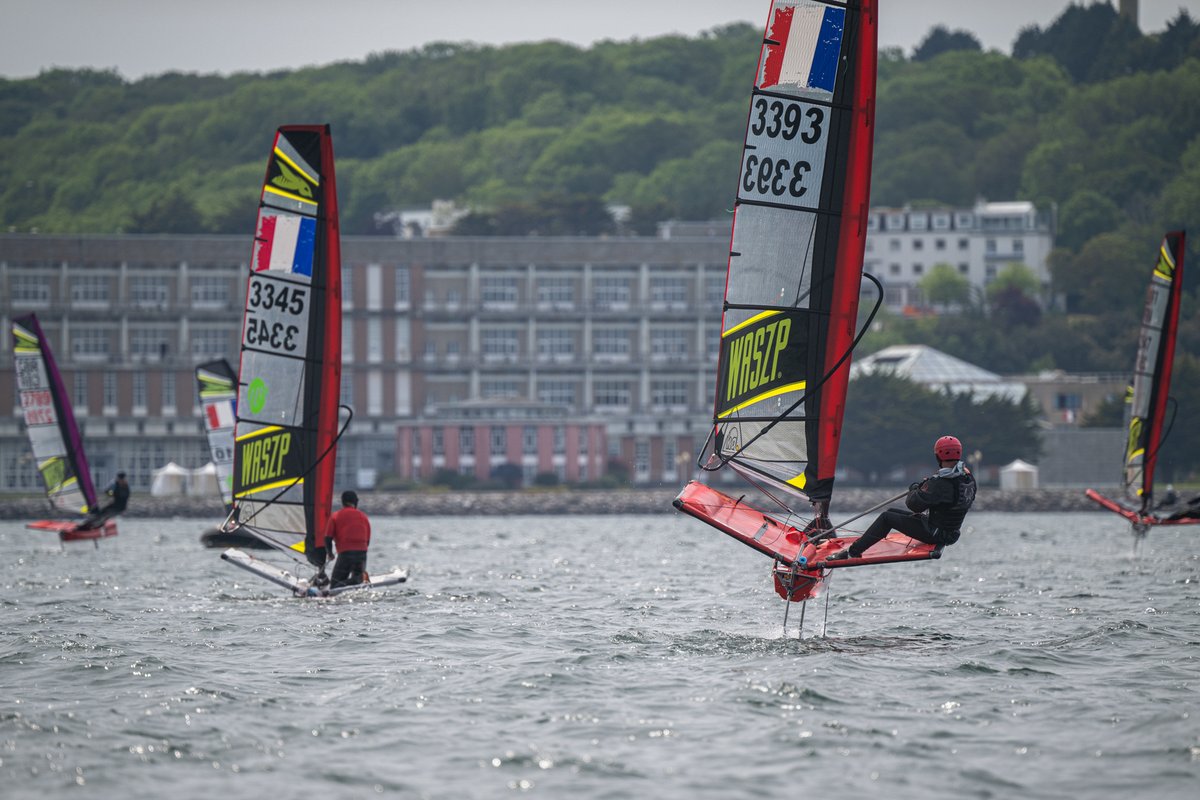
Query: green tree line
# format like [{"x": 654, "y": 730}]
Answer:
[{"x": 1106, "y": 133}]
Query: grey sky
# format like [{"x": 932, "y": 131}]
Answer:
[{"x": 141, "y": 37}]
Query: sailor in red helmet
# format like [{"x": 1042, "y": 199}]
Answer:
[{"x": 936, "y": 506}]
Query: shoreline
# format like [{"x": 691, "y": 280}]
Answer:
[{"x": 558, "y": 502}]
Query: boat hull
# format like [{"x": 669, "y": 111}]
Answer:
[
  {"x": 73, "y": 530},
  {"x": 300, "y": 587},
  {"x": 215, "y": 537},
  {"x": 1134, "y": 516},
  {"x": 801, "y": 565}
]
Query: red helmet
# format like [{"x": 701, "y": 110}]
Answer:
[{"x": 947, "y": 448}]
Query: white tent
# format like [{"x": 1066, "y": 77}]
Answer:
[
  {"x": 170, "y": 479},
  {"x": 1018, "y": 475},
  {"x": 203, "y": 481}
]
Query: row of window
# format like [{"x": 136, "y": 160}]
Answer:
[
  {"x": 98, "y": 344},
  {"x": 98, "y": 289},
  {"x": 564, "y": 292},
  {"x": 79, "y": 390},
  {"x": 605, "y": 393},
  {"x": 498, "y": 440},
  {"x": 943, "y": 221},
  {"x": 149, "y": 343},
  {"x": 605, "y": 341},
  {"x": 80, "y": 380},
  {"x": 896, "y": 269},
  {"x": 1017, "y": 246},
  {"x": 210, "y": 291}
]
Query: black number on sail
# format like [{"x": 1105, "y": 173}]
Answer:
[
  {"x": 777, "y": 119},
  {"x": 776, "y": 178}
]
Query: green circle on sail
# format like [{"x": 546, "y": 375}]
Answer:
[{"x": 257, "y": 395}]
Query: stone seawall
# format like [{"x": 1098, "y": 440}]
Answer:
[{"x": 649, "y": 501}]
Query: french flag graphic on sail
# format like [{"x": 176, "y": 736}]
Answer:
[
  {"x": 219, "y": 415},
  {"x": 806, "y": 41},
  {"x": 285, "y": 243}
]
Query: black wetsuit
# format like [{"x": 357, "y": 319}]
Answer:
[
  {"x": 349, "y": 569},
  {"x": 120, "y": 499},
  {"x": 947, "y": 496}
]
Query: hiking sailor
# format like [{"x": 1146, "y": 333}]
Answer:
[{"x": 936, "y": 506}]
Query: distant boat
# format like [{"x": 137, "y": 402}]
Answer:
[
  {"x": 792, "y": 292},
  {"x": 1146, "y": 420},
  {"x": 216, "y": 385},
  {"x": 286, "y": 432},
  {"x": 54, "y": 436}
]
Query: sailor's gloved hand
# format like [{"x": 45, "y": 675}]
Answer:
[{"x": 912, "y": 487}]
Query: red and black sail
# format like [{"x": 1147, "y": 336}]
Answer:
[
  {"x": 290, "y": 373},
  {"x": 795, "y": 261}
]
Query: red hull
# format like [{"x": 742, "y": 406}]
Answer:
[
  {"x": 71, "y": 531},
  {"x": 1135, "y": 516},
  {"x": 801, "y": 567}
]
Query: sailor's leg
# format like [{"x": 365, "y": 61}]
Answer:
[
  {"x": 891, "y": 519},
  {"x": 341, "y": 571},
  {"x": 358, "y": 567}
]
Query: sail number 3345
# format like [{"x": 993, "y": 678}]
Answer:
[{"x": 275, "y": 312}]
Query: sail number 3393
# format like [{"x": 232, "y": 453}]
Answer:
[
  {"x": 778, "y": 119},
  {"x": 785, "y": 151}
]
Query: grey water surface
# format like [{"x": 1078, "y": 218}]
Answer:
[{"x": 604, "y": 657}]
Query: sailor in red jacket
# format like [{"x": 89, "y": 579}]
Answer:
[{"x": 350, "y": 531}]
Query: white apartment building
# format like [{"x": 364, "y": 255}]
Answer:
[{"x": 904, "y": 244}]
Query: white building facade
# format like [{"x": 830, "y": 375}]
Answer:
[{"x": 904, "y": 245}]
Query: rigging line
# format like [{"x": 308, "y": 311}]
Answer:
[
  {"x": 869, "y": 510},
  {"x": 1163, "y": 439},
  {"x": 766, "y": 491},
  {"x": 302, "y": 475},
  {"x": 805, "y": 265},
  {"x": 866, "y": 327}
]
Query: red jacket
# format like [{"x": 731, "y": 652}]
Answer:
[{"x": 349, "y": 529}]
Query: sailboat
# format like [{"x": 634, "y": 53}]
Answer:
[
  {"x": 54, "y": 436},
  {"x": 286, "y": 426},
  {"x": 216, "y": 385},
  {"x": 1147, "y": 420},
  {"x": 792, "y": 293}
]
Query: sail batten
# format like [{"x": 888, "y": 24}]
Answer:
[{"x": 290, "y": 373}]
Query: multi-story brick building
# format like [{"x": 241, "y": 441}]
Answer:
[
  {"x": 556, "y": 354},
  {"x": 616, "y": 338}
]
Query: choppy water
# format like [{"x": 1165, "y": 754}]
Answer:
[{"x": 604, "y": 657}]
